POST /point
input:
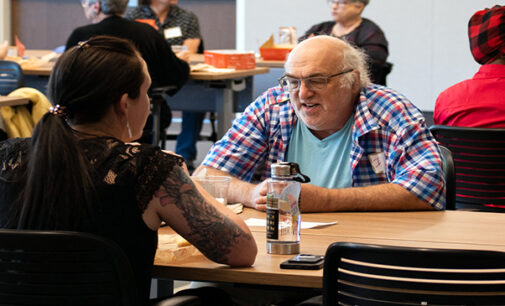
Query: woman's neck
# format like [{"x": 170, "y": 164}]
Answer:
[
  {"x": 96, "y": 130},
  {"x": 345, "y": 27}
]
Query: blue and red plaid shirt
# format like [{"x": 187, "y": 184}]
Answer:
[{"x": 384, "y": 121}]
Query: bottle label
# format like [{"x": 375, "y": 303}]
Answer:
[
  {"x": 272, "y": 201},
  {"x": 272, "y": 223}
]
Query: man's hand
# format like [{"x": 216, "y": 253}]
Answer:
[
  {"x": 184, "y": 55},
  {"x": 258, "y": 197}
]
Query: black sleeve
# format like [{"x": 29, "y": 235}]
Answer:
[
  {"x": 171, "y": 70},
  {"x": 74, "y": 38},
  {"x": 373, "y": 41},
  {"x": 323, "y": 28}
]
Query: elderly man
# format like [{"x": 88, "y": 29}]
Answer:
[
  {"x": 365, "y": 147},
  {"x": 105, "y": 15},
  {"x": 348, "y": 24},
  {"x": 480, "y": 101}
]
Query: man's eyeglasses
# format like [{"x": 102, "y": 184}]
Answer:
[{"x": 312, "y": 83}]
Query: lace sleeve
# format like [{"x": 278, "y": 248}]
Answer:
[
  {"x": 153, "y": 171},
  {"x": 13, "y": 154}
]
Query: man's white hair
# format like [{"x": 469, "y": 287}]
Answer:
[{"x": 354, "y": 58}]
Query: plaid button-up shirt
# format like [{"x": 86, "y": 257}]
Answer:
[{"x": 384, "y": 122}]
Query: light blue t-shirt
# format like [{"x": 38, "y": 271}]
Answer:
[{"x": 327, "y": 162}]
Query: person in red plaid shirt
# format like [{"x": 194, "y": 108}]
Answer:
[
  {"x": 480, "y": 101},
  {"x": 363, "y": 33},
  {"x": 365, "y": 147}
]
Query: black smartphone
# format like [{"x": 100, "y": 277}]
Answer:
[{"x": 304, "y": 262}]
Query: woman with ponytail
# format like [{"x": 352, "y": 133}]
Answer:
[{"x": 79, "y": 172}]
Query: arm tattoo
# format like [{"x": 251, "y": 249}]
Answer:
[{"x": 212, "y": 232}]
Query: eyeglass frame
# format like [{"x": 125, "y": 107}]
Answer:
[
  {"x": 299, "y": 81},
  {"x": 340, "y": 2}
]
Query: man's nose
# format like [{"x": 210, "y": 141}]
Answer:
[{"x": 304, "y": 91}]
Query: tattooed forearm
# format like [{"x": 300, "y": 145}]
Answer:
[{"x": 212, "y": 232}]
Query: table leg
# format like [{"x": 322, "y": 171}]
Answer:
[
  {"x": 224, "y": 107},
  {"x": 156, "y": 111},
  {"x": 161, "y": 287}
]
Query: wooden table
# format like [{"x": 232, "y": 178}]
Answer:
[
  {"x": 270, "y": 63},
  {"x": 444, "y": 229},
  {"x": 13, "y": 101}
]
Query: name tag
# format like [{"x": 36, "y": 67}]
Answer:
[
  {"x": 172, "y": 32},
  {"x": 378, "y": 161}
]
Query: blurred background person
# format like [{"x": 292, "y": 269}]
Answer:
[
  {"x": 348, "y": 25},
  {"x": 479, "y": 101},
  {"x": 180, "y": 27},
  {"x": 78, "y": 171}
]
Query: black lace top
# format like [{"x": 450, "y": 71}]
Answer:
[{"x": 126, "y": 178}]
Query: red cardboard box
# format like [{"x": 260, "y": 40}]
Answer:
[
  {"x": 230, "y": 59},
  {"x": 274, "y": 52}
]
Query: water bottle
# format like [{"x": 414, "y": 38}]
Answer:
[{"x": 283, "y": 211}]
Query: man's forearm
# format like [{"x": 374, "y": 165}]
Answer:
[
  {"x": 372, "y": 198},
  {"x": 238, "y": 192},
  {"x": 192, "y": 44}
]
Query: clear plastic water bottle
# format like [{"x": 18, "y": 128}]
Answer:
[{"x": 283, "y": 212}]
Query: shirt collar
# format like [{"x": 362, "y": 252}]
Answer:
[
  {"x": 490, "y": 71},
  {"x": 364, "y": 122}
]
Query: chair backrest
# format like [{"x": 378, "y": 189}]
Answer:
[
  {"x": 63, "y": 268},
  {"x": 362, "y": 274},
  {"x": 479, "y": 161},
  {"x": 380, "y": 72},
  {"x": 450, "y": 178},
  {"x": 11, "y": 77}
]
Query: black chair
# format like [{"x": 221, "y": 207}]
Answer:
[
  {"x": 362, "y": 274},
  {"x": 379, "y": 73},
  {"x": 11, "y": 77},
  {"x": 479, "y": 160},
  {"x": 65, "y": 268},
  {"x": 450, "y": 178},
  {"x": 160, "y": 118}
]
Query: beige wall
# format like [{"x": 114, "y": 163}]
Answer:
[
  {"x": 5, "y": 20},
  {"x": 46, "y": 24}
]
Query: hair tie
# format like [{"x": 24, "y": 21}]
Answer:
[
  {"x": 58, "y": 110},
  {"x": 82, "y": 44}
]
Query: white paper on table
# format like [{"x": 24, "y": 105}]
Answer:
[
  {"x": 262, "y": 222},
  {"x": 201, "y": 67}
]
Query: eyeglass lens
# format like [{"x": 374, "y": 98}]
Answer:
[{"x": 311, "y": 83}]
